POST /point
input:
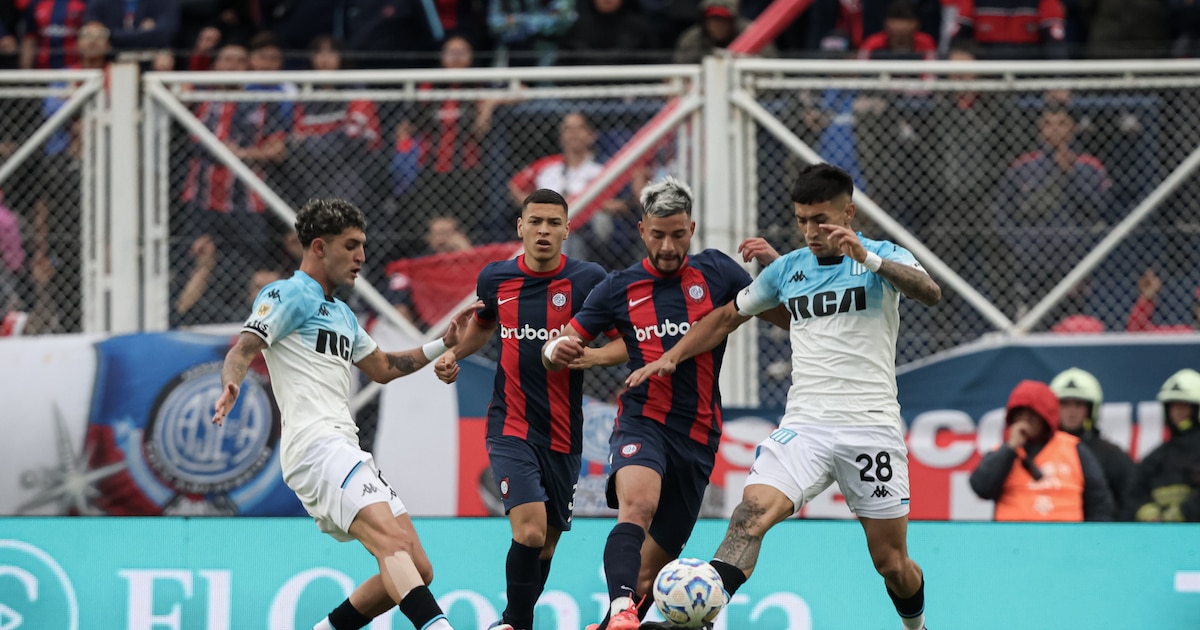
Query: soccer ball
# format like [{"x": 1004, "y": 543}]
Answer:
[{"x": 688, "y": 592}]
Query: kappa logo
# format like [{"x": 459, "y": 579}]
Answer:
[
  {"x": 323, "y": 312},
  {"x": 880, "y": 492},
  {"x": 369, "y": 488},
  {"x": 504, "y": 487},
  {"x": 797, "y": 277},
  {"x": 629, "y": 450},
  {"x": 274, "y": 295}
]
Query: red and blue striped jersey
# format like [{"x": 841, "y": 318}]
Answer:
[
  {"x": 529, "y": 401},
  {"x": 652, "y": 312},
  {"x": 54, "y": 24},
  {"x": 214, "y": 186}
]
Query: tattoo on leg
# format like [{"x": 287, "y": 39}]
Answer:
[
  {"x": 402, "y": 363},
  {"x": 740, "y": 548}
]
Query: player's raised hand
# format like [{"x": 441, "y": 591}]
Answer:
[
  {"x": 225, "y": 403},
  {"x": 459, "y": 324},
  {"x": 845, "y": 240},
  {"x": 563, "y": 350},
  {"x": 661, "y": 367},
  {"x": 758, "y": 249},
  {"x": 446, "y": 368}
]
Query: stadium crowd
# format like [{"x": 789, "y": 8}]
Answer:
[{"x": 1057, "y": 170}]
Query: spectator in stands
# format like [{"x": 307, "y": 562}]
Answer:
[
  {"x": 12, "y": 261},
  {"x": 565, "y": 173},
  {"x": 719, "y": 25},
  {"x": 971, "y": 140},
  {"x": 10, "y": 26},
  {"x": 297, "y": 25},
  {"x": 336, "y": 146},
  {"x": 608, "y": 32},
  {"x": 205, "y": 48},
  {"x": 1054, "y": 199},
  {"x": 1166, "y": 484},
  {"x": 1013, "y": 29},
  {"x": 1121, "y": 29},
  {"x": 392, "y": 33},
  {"x": 439, "y": 150},
  {"x": 1141, "y": 316},
  {"x": 217, "y": 203},
  {"x": 51, "y": 35},
  {"x": 1078, "y": 325},
  {"x": 527, "y": 32},
  {"x": 1041, "y": 473},
  {"x": 840, "y": 26},
  {"x": 55, "y": 237},
  {"x": 445, "y": 235},
  {"x": 901, "y": 37},
  {"x": 137, "y": 24},
  {"x": 1080, "y": 399}
]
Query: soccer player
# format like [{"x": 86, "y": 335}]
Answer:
[
  {"x": 664, "y": 443},
  {"x": 309, "y": 339},
  {"x": 842, "y": 421},
  {"x": 535, "y": 420}
]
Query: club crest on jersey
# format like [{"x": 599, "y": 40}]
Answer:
[
  {"x": 560, "y": 299},
  {"x": 504, "y": 487},
  {"x": 629, "y": 450},
  {"x": 263, "y": 309},
  {"x": 695, "y": 293}
]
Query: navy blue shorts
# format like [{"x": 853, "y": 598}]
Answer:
[
  {"x": 526, "y": 473},
  {"x": 684, "y": 465}
]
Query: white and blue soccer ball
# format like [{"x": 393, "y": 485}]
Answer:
[{"x": 689, "y": 593}]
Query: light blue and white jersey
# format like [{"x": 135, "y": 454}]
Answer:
[
  {"x": 311, "y": 344},
  {"x": 843, "y": 332}
]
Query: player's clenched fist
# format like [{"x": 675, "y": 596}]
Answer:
[
  {"x": 561, "y": 351},
  {"x": 446, "y": 368}
]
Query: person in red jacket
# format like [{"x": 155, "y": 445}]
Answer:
[
  {"x": 1142, "y": 313},
  {"x": 1040, "y": 473},
  {"x": 1008, "y": 29},
  {"x": 901, "y": 37}
]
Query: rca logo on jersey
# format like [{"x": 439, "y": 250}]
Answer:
[
  {"x": 666, "y": 329},
  {"x": 531, "y": 333},
  {"x": 828, "y": 303},
  {"x": 329, "y": 342}
]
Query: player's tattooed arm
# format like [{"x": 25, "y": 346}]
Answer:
[
  {"x": 384, "y": 367},
  {"x": 912, "y": 282},
  {"x": 233, "y": 372}
]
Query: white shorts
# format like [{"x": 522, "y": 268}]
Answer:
[
  {"x": 869, "y": 463},
  {"x": 335, "y": 480}
]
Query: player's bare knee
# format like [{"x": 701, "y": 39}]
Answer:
[
  {"x": 531, "y": 535},
  {"x": 891, "y": 564},
  {"x": 638, "y": 510}
]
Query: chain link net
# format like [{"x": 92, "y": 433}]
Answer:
[
  {"x": 440, "y": 172},
  {"x": 40, "y": 212},
  {"x": 1010, "y": 186}
]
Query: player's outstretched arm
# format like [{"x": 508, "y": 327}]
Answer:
[
  {"x": 384, "y": 367},
  {"x": 233, "y": 372},
  {"x": 608, "y": 355},
  {"x": 707, "y": 334},
  {"x": 912, "y": 282},
  {"x": 476, "y": 334},
  {"x": 562, "y": 350}
]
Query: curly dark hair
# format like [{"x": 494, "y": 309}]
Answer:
[{"x": 327, "y": 217}]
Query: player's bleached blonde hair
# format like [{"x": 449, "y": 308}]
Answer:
[{"x": 666, "y": 197}]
